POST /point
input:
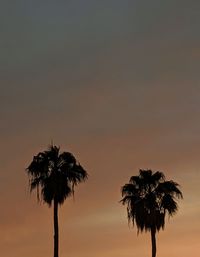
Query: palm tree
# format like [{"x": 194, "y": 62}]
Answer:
[
  {"x": 149, "y": 197},
  {"x": 54, "y": 175}
]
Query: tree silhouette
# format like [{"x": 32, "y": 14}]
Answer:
[
  {"x": 149, "y": 197},
  {"x": 54, "y": 175}
]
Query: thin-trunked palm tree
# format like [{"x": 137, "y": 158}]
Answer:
[
  {"x": 149, "y": 197},
  {"x": 54, "y": 175}
]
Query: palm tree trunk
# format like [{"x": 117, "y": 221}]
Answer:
[
  {"x": 153, "y": 241},
  {"x": 55, "y": 228}
]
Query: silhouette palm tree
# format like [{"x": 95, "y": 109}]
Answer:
[
  {"x": 149, "y": 197},
  {"x": 54, "y": 175}
]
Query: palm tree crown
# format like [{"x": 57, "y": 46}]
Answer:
[
  {"x": 55, "y": 174},
  {"x": 149, "y": 197}
]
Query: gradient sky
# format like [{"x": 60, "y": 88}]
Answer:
[{"x": 117, "y": 83}]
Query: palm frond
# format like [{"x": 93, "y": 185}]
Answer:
[
  {"x": 129, "y": 189},
  {"x": 135, "y": 180},
  {"x": 170, "y": 187},
  {"x": 169, "y": 204},
  {"x": 158, "y": 176}
]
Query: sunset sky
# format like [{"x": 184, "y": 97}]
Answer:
[{"x": 117, "y": 83}]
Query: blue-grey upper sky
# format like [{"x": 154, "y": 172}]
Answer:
[
  {"x": 70, "y": 46},
  {"x": 51, "y": 35}
]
